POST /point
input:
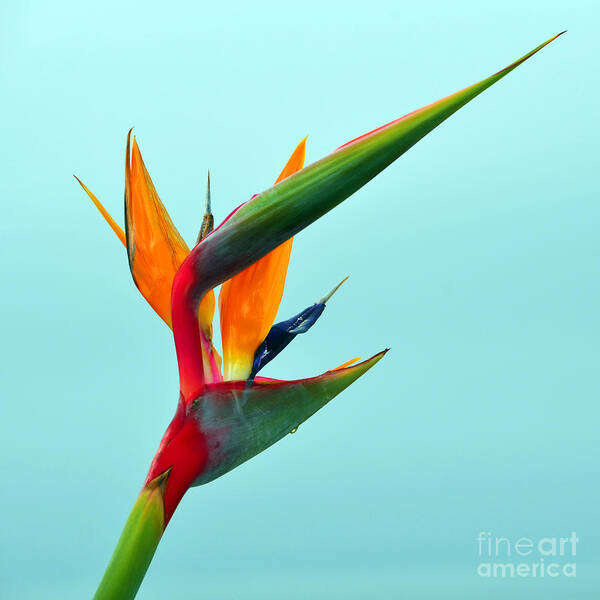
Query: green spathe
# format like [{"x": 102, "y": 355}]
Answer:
[{"x": 240, "y": 422}]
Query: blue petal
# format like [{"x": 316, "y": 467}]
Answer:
[{"x": 281, "y": 334}]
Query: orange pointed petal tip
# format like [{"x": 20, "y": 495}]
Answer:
[
  {"x": 248, "y": 303},
  {"x": 347, "y": 363},
  {"x": 111, "y": 222},
  {"x": 295, "y": 162}
]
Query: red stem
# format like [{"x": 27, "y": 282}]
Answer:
[
  {"x": 183, "y": 453},
  {"x": 186, "y": 331}
]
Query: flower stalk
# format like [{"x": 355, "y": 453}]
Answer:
[{"x": 136, "y": 546}]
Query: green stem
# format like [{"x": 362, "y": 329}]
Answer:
[{"x": 136, "y": 546}]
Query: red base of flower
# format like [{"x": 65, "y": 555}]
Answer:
[{"x": 183, "y": 453}]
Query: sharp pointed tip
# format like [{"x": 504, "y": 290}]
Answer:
[
  {"x": 207, "y": 219},
  {"x": 555, "y": 36},
  {"x": 79, "y": 181},
  {"x": 369, "y": 362},
  {"x": 302, "y": 146},
  {"x": 207, "y": 209},
  {"x": 326, "y": 298},
  {"x": 381, "y": 354}
]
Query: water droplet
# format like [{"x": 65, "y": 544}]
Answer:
[{"x": 295, "y": 429}]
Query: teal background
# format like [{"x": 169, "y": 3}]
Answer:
[{"x": 474, "y": 258}]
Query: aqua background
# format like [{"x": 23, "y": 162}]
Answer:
[{"x": 475, "y": 257}]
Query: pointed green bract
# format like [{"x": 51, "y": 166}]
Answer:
[
  {"x": 283, "y": 210},
  {"x": 135, "y": 547},
  {"x": 240, "y": 422}
]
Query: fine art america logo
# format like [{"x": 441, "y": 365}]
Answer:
[{"x": 526, "y": 557}]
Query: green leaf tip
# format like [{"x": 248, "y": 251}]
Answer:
[
  {"x": 239, "y": 422},
  {"x": 283, "y": 210}
]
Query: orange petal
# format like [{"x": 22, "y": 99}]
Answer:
[
  {"x": 155, "y": 247},
  {"x": 295, "y": 162},
  {"x": 347, "y": 363},
  {"x": 112, "y": 223},
  {"x": 248, "y": 302}
]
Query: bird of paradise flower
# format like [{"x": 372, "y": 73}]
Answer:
[{"x": 226, "y": 412}]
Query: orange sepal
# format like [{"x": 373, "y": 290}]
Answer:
[
  {"x": 248, "y": 302},
  {"x": 155, "y": 247},
  {"x": 111, "y": 222},
  {"x": 347, "y": 363}
]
